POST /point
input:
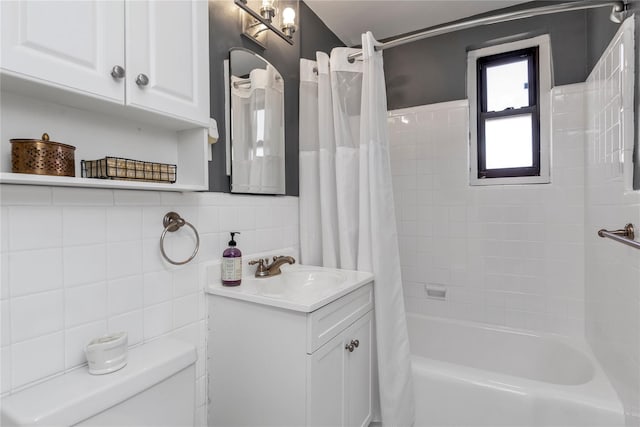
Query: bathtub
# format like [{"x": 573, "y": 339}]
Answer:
[{"x": 471, "y": 374}]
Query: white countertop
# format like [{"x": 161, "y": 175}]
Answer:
[{"x": 300, "y": 287}]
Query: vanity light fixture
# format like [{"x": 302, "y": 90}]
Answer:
[
  {"x": 256, "y": 23},
  {"x": 288, "y": 22},
  {"x": 268, "y": 10}
]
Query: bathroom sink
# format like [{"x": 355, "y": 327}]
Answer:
[
  {"x": 299, "y": 287},
  {"x": 306, "y": 278},
  {"x": 298, "y": 282}
]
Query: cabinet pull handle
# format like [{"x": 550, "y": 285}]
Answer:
[
  {"x": 117, "y": 72},
  {"x": 355, "y": 343},
  {"x": 142, "y": 80}
]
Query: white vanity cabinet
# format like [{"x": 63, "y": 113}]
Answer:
[
  {"x": 274, "y": 366},
  {"x": 152, "y": 56}
]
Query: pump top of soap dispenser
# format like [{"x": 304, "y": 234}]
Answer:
[{"x": 233, "y": 242}]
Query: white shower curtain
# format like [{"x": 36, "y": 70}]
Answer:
[{"x": 347, "y": 219}]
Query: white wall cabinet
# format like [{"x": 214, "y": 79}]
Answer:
[
  {"x": 73, "y": 45},
  {"x": 167, "y": 57},
  {"x": 66, "y": 54},
  {"x": 272, "y": 366},
  {"x": 161, "y": 48}
]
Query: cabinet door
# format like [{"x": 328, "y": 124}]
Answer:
[
  {"x": 339, "y": 387},
  {"x": 70, "y": 44},
  {"x": 168, "y": 57},
  {"x": 326, "y": 386},
  {"x": 359, "y": 373}
]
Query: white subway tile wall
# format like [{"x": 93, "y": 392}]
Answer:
[
  {"x": 613, "y": 270},
  {"x": 509, "y": 255},
  {"x": 77, "y": 263}
]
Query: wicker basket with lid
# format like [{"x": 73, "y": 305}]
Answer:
[{"x": 42, "y": 157}]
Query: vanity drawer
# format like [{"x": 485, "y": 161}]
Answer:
[{"x": 328, "y": 321}]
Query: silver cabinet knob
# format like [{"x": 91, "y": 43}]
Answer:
[
  {"x": 352, "y": 345},
  {"x": 142, "y": 80},
  {"x": 117, "y": 72}
]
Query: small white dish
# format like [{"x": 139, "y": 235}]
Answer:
[{"x": 107, "y": 354}]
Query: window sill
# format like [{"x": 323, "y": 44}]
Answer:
[{"x": 516, "y": 180}]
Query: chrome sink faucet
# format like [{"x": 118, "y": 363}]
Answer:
[{"x": 266, "y": 270}]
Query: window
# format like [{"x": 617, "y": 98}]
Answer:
[
  {"x": 507, "y": 110},
  {"x": 508, "y": 90}
]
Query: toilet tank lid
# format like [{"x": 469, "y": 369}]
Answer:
[{"x": 75, "y": 396}]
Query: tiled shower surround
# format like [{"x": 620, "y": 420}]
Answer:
[
  {"x": 528, "y": 256},
  {"x": 612, "y": 286},
  {"x": 78, "y": 263},
  {"x": 509, "y": 255}
]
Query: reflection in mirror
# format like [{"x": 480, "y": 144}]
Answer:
[{"x": 257, "y": 124}]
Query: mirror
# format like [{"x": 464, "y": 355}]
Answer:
[{"x": 256, "y": 95}]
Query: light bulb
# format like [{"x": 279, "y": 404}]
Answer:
[
  {"x": 268, "y": 10},
  {"x": 288, "y": 16}
]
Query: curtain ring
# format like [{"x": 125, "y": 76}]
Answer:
[{"x": 172, "y": 221}]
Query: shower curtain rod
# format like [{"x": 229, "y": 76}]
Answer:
[{"x": 617, "y": 15}]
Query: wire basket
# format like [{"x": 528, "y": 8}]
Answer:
[{"x": 128, "y": 170}]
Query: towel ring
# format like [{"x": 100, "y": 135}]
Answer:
[{"x": 172, "y": 221}]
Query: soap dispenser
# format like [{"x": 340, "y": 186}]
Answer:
[{"x": 232, "y": 263}]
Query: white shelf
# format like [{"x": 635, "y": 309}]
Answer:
[
  {"x": 96, "y": 136},
  {"x": 65, "y": 181}
]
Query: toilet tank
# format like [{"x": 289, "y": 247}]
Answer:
[{"x": 156, "y": 388}]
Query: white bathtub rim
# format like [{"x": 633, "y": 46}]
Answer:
[
  {"x": 579, "y": 344},
  {"x": 598, "y": 391},
  {"x": 594, "y": 393}
]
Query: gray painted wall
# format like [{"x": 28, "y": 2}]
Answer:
[
  {"x": 424, "y": 72},
  {"x": 315, "y": 35},
  {"x": 434, "y": 70},
  {"x": 600, "y": 32},
  {"x": 224, "y": 33}
]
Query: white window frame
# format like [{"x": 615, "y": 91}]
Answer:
[{"x": 544, "y": 69}]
